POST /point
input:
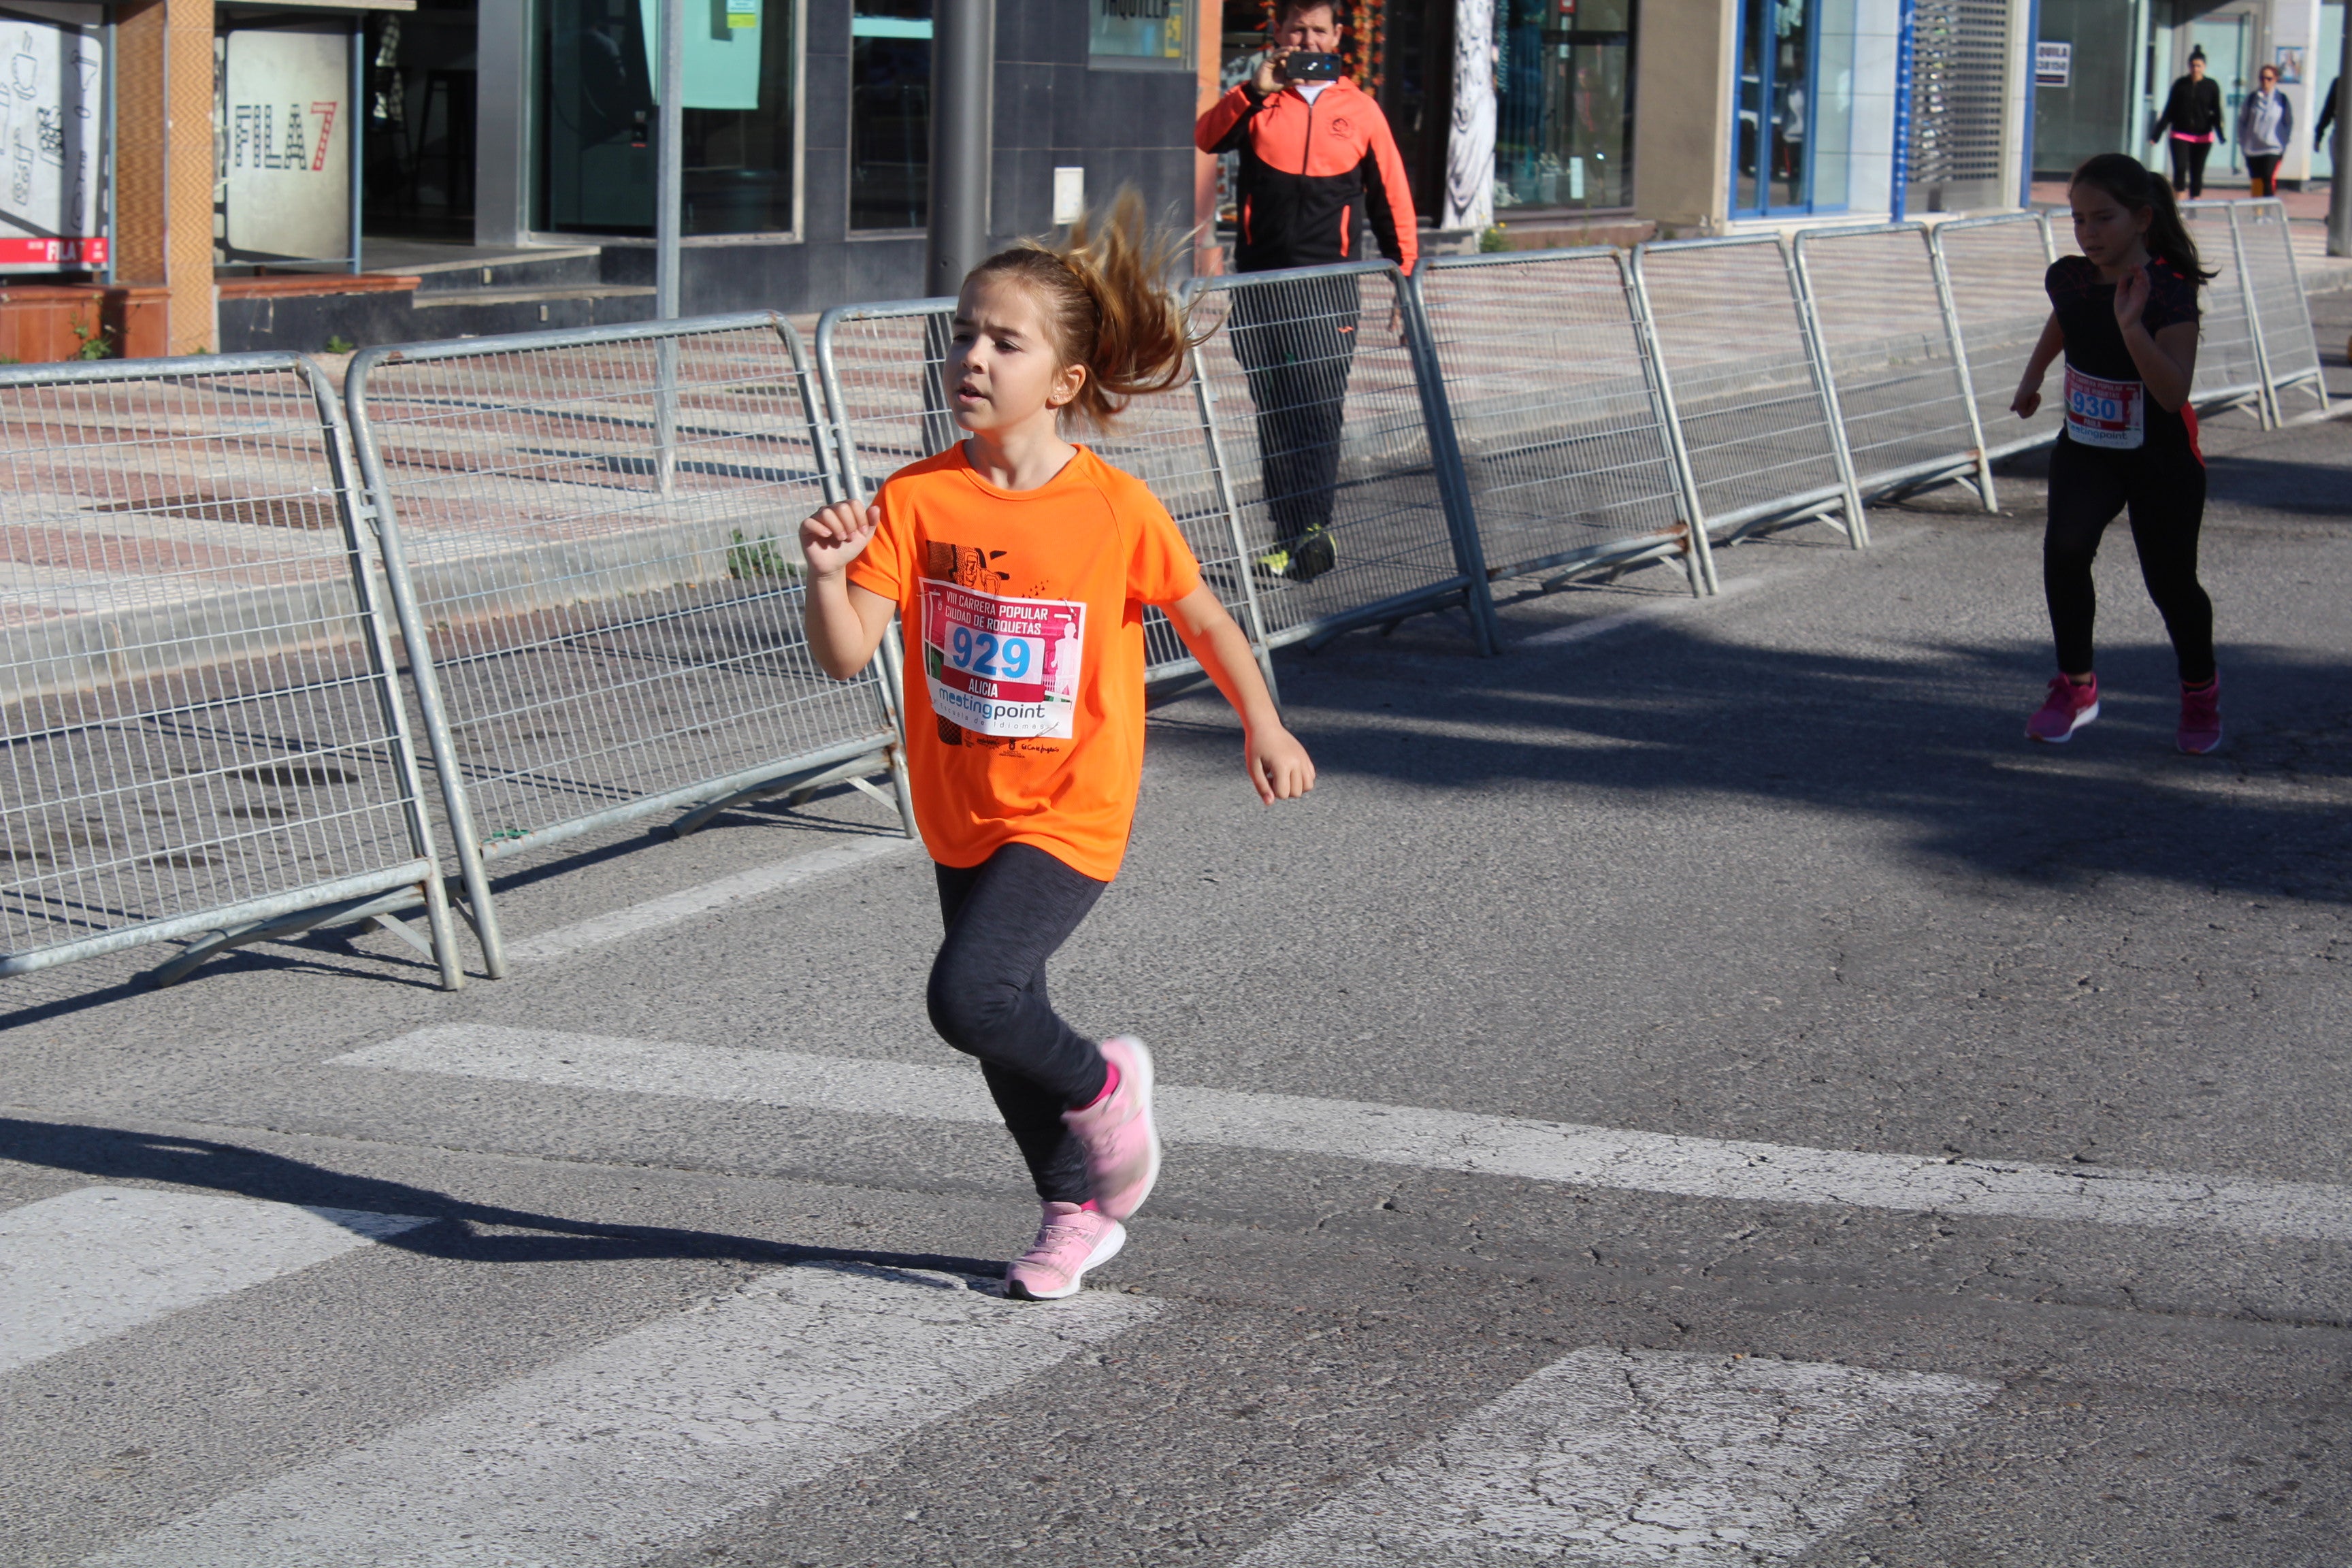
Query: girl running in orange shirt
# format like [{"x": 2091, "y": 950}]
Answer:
[{"x": 1021, "y": 565}]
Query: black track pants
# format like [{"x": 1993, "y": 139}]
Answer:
[
  {"x": 1005, "y": 916},
  {"x": 2189, "y": 167},
  {"x": 1296, "y": 344},
  {"x": 2164, "y": 487}
]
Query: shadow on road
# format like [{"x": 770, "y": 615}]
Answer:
[
  {"x": 109, "y": 1154},
  {"x": 1933, "y": 744}
]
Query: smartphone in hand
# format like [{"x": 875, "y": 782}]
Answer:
[{"x": 1308, "y": 65}]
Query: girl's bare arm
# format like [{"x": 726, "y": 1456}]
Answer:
[
  {"x": 1279, "y": 767},
  {"x": 844, "y": 622}
]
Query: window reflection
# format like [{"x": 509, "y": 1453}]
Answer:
[
  {"x": 1564, "y": 103},
  {"x": 890, "y": 114},
  {"x": 1776, "y": 68},
  {"x": 597, "y": 115}
]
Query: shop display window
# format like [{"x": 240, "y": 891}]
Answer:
[
  {"x": 890, "y": 114},
  {"x": 1564, "y": 103},
  {"x": 596, "y": 116}
]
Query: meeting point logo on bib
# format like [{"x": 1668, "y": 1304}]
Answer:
[{"x": 1003, "y": 666}]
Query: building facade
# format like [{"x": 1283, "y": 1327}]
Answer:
[
  {"x": 2106, "y": 66},
  {"x": 1698, "y": 115},
  {"x": 387, "y": 169},
  {"x": 501, "y": 174}
]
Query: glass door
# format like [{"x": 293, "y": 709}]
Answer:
[
  {"x": 1773, "y": 108},
  {"x": 1564, "y": 103},
  {"x": 2226, "y": 39}
]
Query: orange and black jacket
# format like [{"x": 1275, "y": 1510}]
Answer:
[{"x": 1310, "y": 171}]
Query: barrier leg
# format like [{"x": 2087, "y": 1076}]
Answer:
[
  {"x": 894, "y": 693},
  {"x": 1205, "y": 400},
  {"x": 351, "y": 911}
]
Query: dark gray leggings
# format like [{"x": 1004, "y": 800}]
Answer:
[{"x": 1005, "y": 916}]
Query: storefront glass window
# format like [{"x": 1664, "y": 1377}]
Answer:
[
  {"x": 890, "y": 114},
  {"x": 1770, "y": 169},
  {"x": 1140, "y": 32},
  {"x": 596, "y": 116},
  {"x": 1564, "y": 103}
]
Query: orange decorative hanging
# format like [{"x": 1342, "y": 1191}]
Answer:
[{"x": 1368, "y": 44}]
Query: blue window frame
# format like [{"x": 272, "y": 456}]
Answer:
[{"x": 1776, "y": 101}]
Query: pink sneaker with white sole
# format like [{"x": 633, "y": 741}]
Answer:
[
  {"x": 1070, "y": 1240},
  {"x": 1121, "y": 1143},
  {"x": 2067, "y": 708}
]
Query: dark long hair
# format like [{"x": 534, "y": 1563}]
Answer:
[{"x": 2135, "y": 186}]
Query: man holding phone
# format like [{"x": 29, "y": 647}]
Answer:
[{"x": 1317, "y": 161}]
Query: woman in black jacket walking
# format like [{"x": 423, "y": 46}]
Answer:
[{"x": 2194, "y": 113}]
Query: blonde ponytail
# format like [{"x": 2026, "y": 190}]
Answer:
[{"x": 1106, "y": 307}]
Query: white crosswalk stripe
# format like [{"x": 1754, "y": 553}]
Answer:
[
  {"x": 86, "y": 1264},
  {"x": 655, "y": 914},
  {"x": 612, "y": 1454},
  {"x": 1404, "y": 1135},
  {"x": 1630, "y": 1460}
]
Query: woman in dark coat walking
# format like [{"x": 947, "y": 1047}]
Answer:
[{"x": 2193, "y": 112}]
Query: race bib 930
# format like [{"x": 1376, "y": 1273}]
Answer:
[
  {"x": 2103, "y": 413},
  {"x": 1004, "y": 667}
]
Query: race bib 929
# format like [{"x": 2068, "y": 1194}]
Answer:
[
  {"x": 2102, "y": 413},
  {"x": 1003, "y": 666}
]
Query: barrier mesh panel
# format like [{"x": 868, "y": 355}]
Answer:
[
  {"x": 1889, "y": 352},
  {"x": 1995, "y": 266},
  {"x": 1732, "y": 347},
  {"x": 2289, "y": 345},
  {"x": 2226, "y": 367},
  {"x": 192, "y": 709},
  {"x": 609, "y": 574},
  {"x": 1311, "y": 382},
  {"x": 1553, "y": 410},
  {"x": 881, "y": 366}
]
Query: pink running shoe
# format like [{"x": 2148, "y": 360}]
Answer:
[
  {"x": 2067, "y": 708},
  {"x": 1070, "y": 1240},
  {"x": 2201, "y": 717},
  {"x": 1122, "y": 1145}
]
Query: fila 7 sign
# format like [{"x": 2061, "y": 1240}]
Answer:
[{"x": 286, "y": 168}]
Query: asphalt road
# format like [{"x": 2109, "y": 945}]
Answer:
[{"x": 1877, "y": 1010}]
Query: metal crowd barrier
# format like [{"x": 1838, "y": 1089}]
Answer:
[
  {"x": 1994, "y": 268},
  {"x": 1342, "y": 434},
  {"x": 592, "y": 541},
  {"x": 1754, "y": 415},
  {"x": 881, "y": 368},
  {"x": 203, "y": 734},
  {"x": 1885, "y": 327},
  {"x": 588, "y": 536},
  {"x": 2281, "y": 312},
  {"x": 2229, "y": 357},
  {"x": 1328, "y": 413},
  {"x": 1566, "y": 442}
]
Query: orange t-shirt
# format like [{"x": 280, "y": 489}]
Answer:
[{"x": 1023, "y": 616}]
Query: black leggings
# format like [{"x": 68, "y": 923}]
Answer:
[
  {"x": 1005, "y": 916},
  {"x": 2164, "y": 487},
  {"x": 2189, "y": 167},
  {"x": 2262, "y": 172}
]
